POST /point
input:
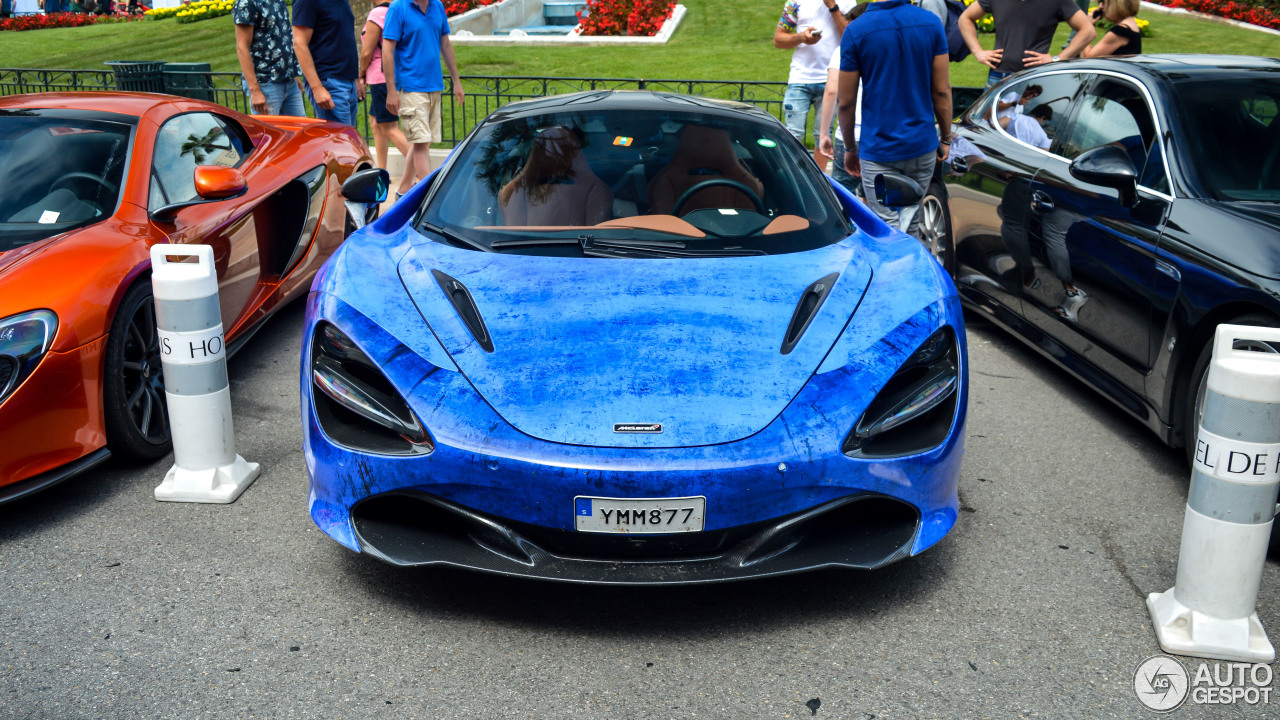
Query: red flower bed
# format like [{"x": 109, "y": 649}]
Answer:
[
  {"x": 457, "y": 7},
  {"x": 1252, "y": 14},
  {"x": 623, "y": 17},
  {"x": 40, "y": 22}
]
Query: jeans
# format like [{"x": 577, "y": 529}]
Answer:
[
  {"x": 838, "y": 173},
  {"x": 919, "y": 169},
  {"x": 346, "y": 105},
  {"x": 995, "y": 76},
  {"x": 283, "y": 98},
  {"x": 796, "y": 102}
]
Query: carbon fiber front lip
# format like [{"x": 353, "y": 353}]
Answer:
[{"x": 446, "y": 534}]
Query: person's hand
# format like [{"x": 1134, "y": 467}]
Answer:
[
  {"x": 944, "y": 150},
  {"x": 826, "y": 146},
  {"x": 990, "y": 58},
  {"x": 258, "y": 101},
  {"x": 1032, "y": 59},
  {"x": 393, "y": 100},
  {"x": 458, "y": 94},
  {"x": 808, "y": 37},
  {"x": 322, "y": 98},
  {"x": 360, "y": 91},
  {"x": 852, "y": 164}
]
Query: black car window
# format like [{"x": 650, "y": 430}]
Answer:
[
  {"x": 1054, "y": 91},
  {"x": 187, "y": 141},
  {"x": 1115, "y": 112},
  {"x": 1236, "y": 148}
]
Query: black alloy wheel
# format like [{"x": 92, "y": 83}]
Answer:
[{"x": 137, "y": 416}]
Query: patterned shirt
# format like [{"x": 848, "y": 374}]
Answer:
[
  {"x": 272, "y": 46},
  {"x": 809, "y": 62}
]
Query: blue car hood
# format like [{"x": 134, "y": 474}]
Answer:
[{"x": 582, "y": 344}]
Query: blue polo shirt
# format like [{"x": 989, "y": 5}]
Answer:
[
  {"x": 417, "y": 36},
  {"x": 892, "y": 46}
]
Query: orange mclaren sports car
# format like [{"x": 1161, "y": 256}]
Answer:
[{"x": 88, "y": 182}]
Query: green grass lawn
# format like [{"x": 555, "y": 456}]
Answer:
[{"x": 718, "y": 40}]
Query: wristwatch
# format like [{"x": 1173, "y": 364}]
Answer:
[
  {"x": 834, "y": 8},
  {"x": 1056, "y": 58}
]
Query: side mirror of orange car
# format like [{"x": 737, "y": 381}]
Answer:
[
  {"x": 212, "y": 183},
  {"x": 367, "y": 186}
]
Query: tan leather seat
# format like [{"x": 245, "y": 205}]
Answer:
[
  {"x": 555, "y": 186},
  {"x": 704, "y": 153}
]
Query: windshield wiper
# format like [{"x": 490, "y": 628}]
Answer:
[
  {"x": 474, "y": 245},
  {"x": 587, "y": 242}
]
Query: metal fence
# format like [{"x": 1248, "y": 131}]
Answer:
[{"x": 484, "y": 93}]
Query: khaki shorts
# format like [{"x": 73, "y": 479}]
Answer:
[{"x": 420, "y": 116}]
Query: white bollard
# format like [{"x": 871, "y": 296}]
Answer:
[
  {"x": 193, "y": 354},
  {"x": 1210, "y": 611}
]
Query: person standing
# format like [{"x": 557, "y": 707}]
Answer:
[
  {"x": 898, "y": 53},
  {"x": 264, "y": 47},
  {"x": 1124, "y": 37},
  {"x": 834, "y": 148},
  {"x": 1024, "y": 32},
  {"x": 384, "y": 124},
  {"x": 324, "y": 41},
  {"x": 416, "y": 38},
  {"x": 812, "y": 28}
]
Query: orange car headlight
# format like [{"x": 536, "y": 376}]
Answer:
[{"x": 24, "y": 339}]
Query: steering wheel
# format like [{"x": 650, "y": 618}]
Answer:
[
  {"x": 751, "y": 195},
  {"x": 111, "y": 188}
]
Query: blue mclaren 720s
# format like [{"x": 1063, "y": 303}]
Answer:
[{"x": 633, "y": 338}]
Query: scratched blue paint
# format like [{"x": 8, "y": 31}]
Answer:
[{"x": 580, "y": 344}]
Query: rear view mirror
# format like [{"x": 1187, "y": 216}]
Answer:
[
  {"x": 367, "y": 186},
  {"x": 897, "y": 191},
  {"x": 1108, "y": 166}
]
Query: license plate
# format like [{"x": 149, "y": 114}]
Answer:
[{"x": 647, "y": 516}]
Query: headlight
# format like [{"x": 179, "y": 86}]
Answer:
[
  {"x": 355, "y": 403},
  {"x": 24, "y": 339},
  {"x": 913, "y": 412}
]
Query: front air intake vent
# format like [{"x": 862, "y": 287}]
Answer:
[{"x": 806, "y": 310}]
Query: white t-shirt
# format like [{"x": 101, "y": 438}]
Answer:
[
  {"x": 857, "y": 118},
  {"x": 1015, "y": 109},
  {"x": 1028, "y": 130},
  {"x": 809, "y": 62}
]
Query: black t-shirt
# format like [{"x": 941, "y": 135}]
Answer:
[
  {"x": 1132, "y": 38},
  {"x": 333, "y": 36},
  {"x": 1021, "y": 25}
]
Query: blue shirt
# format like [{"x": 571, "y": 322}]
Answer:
[
  {"x": 417, "y": 37},
  {"x": 892, "y": 46},
  {"x": 333, "y": 37}
]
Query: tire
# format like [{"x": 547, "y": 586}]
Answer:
[
  {"x": 935, "y": 227},
  {"x": 137, "y": 417}
]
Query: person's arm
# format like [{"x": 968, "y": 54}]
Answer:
[
  {"x": 848, "y": 113},
  {"x": 389, "y": 69},
  {"x": 967, "y": 22},
  {"x": 941, "y": 84},
  {"x": 244, "y": 40},
  {"x": 1108, "y": 45},
  {"x": 787, "y": 34},
  {"x": 302, "y": 48},
  {"x": 837, "y": 17},
  {"x": 1085, "y": 33},
  {"x": 829, "y": 100},
  {"x": 451, "y": 64},
  {"x": 369, "y": 42},
  {"x": 1002, "y": 104}
]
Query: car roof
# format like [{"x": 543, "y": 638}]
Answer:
[
  {"x": 121, "y": 103},
  {"x": 630, "y": 101},
  {"x": 1181, "y": 67}
]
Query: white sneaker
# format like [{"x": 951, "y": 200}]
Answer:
[{"x": 1070, "y": 307}]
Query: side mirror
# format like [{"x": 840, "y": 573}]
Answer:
[
  {"x": 1108, "y": 166},
  {"x": 213, "y": 183},
  {"x": 367, "y": 186},
  {"x": 897, "y": 191}
]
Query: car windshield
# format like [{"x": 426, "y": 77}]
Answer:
[
  {"x": 1235, "y": 135},
  {"x": 58, "y": 171},
  {"x": 634, "y": 184}
]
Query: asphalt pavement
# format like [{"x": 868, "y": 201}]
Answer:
[{"x": 114, "y": 605}]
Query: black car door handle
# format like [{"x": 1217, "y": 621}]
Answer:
[
  {"x": 959, "y": 166},
  {"x": 1041, "y": 202}
]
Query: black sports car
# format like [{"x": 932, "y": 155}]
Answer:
[{"x": 1111, "y": 213}]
